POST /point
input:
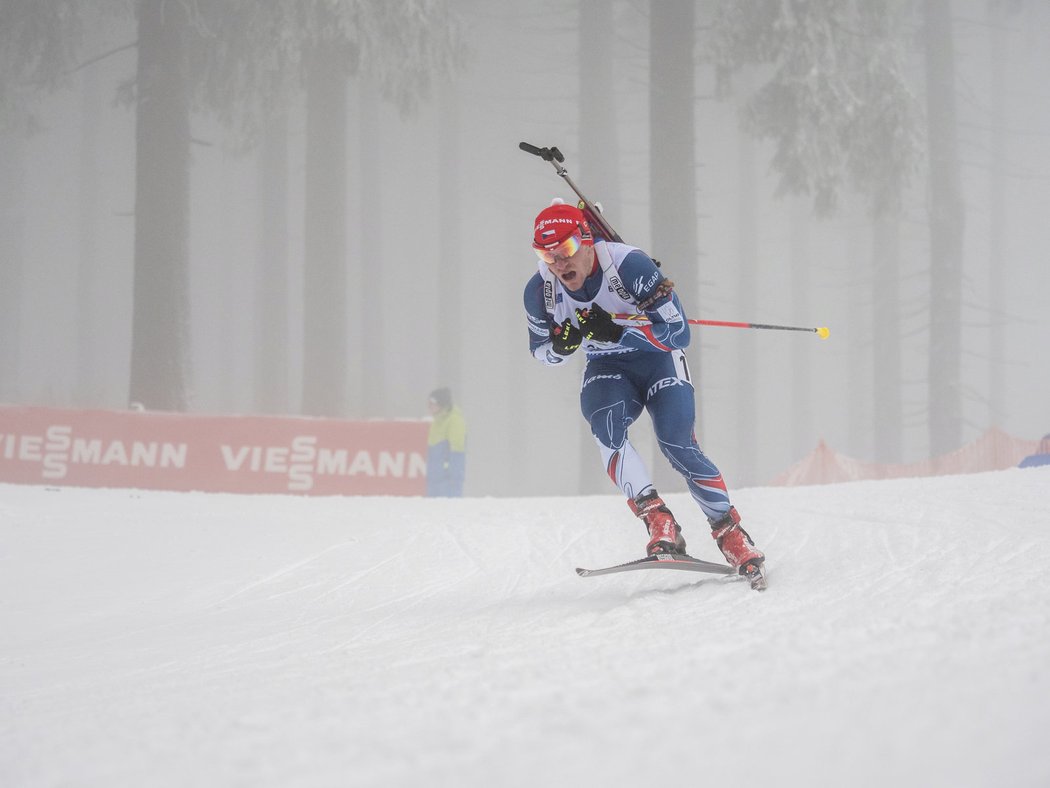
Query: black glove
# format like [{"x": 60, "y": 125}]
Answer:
[
  {"x": 597, "y": 324},
  {"x": 565, "y": 338}
]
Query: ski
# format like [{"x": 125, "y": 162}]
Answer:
[{"x": 679, "y": 561}]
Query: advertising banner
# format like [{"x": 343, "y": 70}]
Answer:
[{"x": 237, "y": 454}]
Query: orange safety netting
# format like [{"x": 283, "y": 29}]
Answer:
[{"x": 993, "y": 451}]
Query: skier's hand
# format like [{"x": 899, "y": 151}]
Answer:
[
  {"x": 597, "y": 324},
  {"x": 565, "y": 338}
]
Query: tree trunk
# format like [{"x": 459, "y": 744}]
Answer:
[
  {"x": 998, "y": 260},
  {"x": 672, "y": 143},
  {"x": 856, "y": 398},
  {"x": 271, "y": 366},
  {"x": 88, "y": 391},
  {"x": 450, "y": 241},
  {"x": 802, "y": 437},
  {"x": 369, "y": 388},
  {"x": 162, "y": 161},
  {"x": 12, "y": 238},
  {"x": 947, "y": 222},
  {"x": 887, "y": 382},
  {"x": 324, "y": 274},
  {"x": 747, "y": 224}
]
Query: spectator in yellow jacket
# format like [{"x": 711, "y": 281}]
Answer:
[{"x": 446, "y": 447}]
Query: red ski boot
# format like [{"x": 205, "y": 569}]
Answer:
[
  {"x": 665, "y": 535},
  {"x": 736, "y": 544}
]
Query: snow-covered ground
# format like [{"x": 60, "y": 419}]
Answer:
[{"x": 165, "y": 639}]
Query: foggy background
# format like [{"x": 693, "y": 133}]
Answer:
[{"x": 321, "y": 209}]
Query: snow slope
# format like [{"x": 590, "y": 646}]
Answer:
[{"x": 165, "y": 639}]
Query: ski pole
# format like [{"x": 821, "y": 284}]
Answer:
[
  {"x": 555, "y": 157},
  {"x": 821, "y": 331}
]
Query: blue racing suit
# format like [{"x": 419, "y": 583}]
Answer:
[{"x": 645, "y": 368}]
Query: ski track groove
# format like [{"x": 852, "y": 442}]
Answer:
[
  {"x": 457, "y": 540},
  {"x": 358, "y": 576},
  {"x": 286, "y": 570}
]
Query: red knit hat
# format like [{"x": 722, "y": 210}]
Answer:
[{"x": 557, "y": 222}]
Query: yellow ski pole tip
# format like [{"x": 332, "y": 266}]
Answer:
[{"x": 823, "y": 332}]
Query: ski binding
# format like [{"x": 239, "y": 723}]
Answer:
[{"x": 756, "y": 576}]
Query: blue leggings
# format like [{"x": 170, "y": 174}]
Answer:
[{"x": 614, "y": 391}]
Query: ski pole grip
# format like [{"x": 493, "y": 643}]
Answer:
[{"x": 547, "y": 154}]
